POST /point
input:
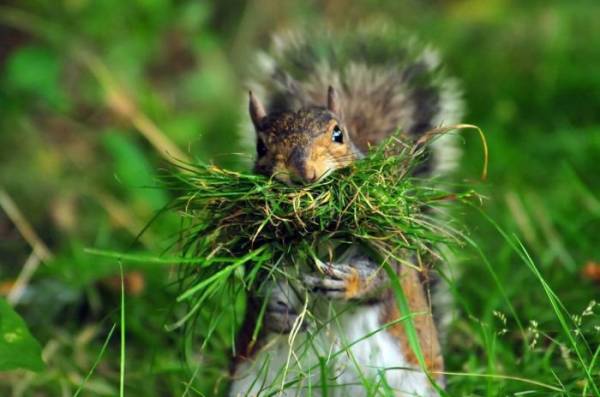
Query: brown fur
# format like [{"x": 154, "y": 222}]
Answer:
[
  {"x": 424, "y": 324},
  {"x": 325, "y": 154},
  {"x": 354, "y": 286}
]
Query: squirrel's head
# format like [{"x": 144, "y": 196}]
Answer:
[{"x": 301, "y": 146}]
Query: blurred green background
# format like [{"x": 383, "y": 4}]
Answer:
[{"x": 96, "y": 95}]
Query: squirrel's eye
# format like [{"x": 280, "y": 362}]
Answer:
[
  {"x": 337, "y": 135},
  {"x": 261, "y": 148}
]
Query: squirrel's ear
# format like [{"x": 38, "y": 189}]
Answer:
[
  {"x": 257, "y": 110},
  {"x": 333, "y": 103}
]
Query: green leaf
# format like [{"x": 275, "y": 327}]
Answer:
[{"x": 18, "y": 348}]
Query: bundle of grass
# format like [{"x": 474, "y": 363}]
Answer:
[{"x": 238, "y": 224}]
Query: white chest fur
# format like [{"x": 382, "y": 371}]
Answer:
[{"x": 351, "y": 355}]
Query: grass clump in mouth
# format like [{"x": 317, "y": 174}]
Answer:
[{"x": 239, "y": 224}]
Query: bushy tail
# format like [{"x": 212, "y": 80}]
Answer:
[{"x": 385, "y": 80}]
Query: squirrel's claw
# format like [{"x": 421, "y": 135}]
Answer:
[
  {"x": 346, "y": 281},
  {"x": 331, "y": 287}
]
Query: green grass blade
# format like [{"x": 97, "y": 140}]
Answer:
[
  {"x": 97, "y": 361},
  {"x": 123, "y": 325}
]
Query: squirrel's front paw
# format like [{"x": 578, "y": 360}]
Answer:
[{"x": 360, "y": 278}]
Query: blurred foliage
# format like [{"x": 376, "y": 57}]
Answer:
[
  {"x": 84, "y": 84},
  {"x": 18, "y": 348}
]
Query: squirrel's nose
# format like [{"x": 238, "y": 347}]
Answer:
[
  {"x": 296, "y": 165},
  {"x": 302, "y": 176}
]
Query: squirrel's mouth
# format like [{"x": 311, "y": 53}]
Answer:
[
  {"x": 300, "y": 181},
  {"x": 292, "y": 178},
  {"x": 304, "y": 171},
  {"x": 294, "y": 175}
]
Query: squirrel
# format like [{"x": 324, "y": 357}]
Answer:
[{"x": 329, "y": 98}]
